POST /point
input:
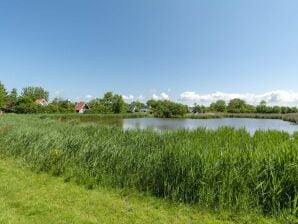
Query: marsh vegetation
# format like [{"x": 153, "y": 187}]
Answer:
[{"x": 223, "y": 169}]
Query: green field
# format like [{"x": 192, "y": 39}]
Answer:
[
  {"x": 216, "y": 170},
  {"x": 30, "y": 198}
]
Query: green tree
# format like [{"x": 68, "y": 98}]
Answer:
[
  {"x": 3, "y": 95},
  {"x": 108, "y": 98},
  {"x": 219, "y": 106},
  {"x": 249, "y": 109},
  {"x": 294, "y": 110},
  {"x": 110, "y": 103},
  {"x": 12, "y": 100},
  {"x": 284, "y": 110},
  {"x": 118, "y": 104},
  {"x": 35, "y": 93},
  {"x": 152, "y": 103},
  {"x": 212, "y": 107},
  {"x": 53, "y": 108},
  {"x": 200, "y": 109},
  {"x": 276, "y": 109},
  {"x": 138, "y": 105},
  {"x": 61, "y": 105},
  {"x": 237, "y": 106},
  {"x": 168, "y": 109},
  {"x": 262, "y": 108},
  {"x": 24, "y": 105},
  {"x": 97, "y": 106},
  {"x": 14, "y": 94}
]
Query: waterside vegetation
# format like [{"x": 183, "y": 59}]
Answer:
[
  {"x": 224, "y": 169},
  {"x": 30, "y": 198},
  {"x": 291, "y": 117}
]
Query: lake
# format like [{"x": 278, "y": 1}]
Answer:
[{"x": 250, "y": 124}]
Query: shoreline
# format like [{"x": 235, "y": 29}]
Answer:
[{"x": 293, "y": 117}]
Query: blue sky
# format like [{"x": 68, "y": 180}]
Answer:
[{"x": 188, "y": 50}]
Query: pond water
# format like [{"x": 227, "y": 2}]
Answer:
[{"x": 250, "y": 124}]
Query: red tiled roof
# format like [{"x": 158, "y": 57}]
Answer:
[{"x": 80, "y": 106}]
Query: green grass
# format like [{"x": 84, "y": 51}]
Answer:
[
  {"x": 92, "y": 117},
  {"x": 220, "y": 170},
  {"x": 114, "y": 118},
  {"x": 27, "y": 197}
]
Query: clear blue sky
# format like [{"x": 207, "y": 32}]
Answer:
[{"x": 145, "y": 47}]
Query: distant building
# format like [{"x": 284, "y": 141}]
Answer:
[
  {"x": 41, "y": 102},
  {"x": 145, "y": 109},
  {"x": 132, "y": 108},
  {"x": 191, "y": 110},
  {"x": 81, "y": 107}
]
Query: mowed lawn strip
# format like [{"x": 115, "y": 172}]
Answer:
[{"x": 27, "y": 197}]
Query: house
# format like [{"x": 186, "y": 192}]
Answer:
[
  {"x": 191, "y": 110},
  {"x": 145, "y": 109},
  {"x": 81, "y": 107},
  {"x": 132, "y": 108},
  {"x": 41, "y": 102}
]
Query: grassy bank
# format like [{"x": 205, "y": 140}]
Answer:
[
  {"x": 112, "y": 118},
  {"x": 291, "y": 117},
  {"x": 287, "y": 117},
  {"x": 99, "y": 118},
  {"x": 30, "y": 198},
  {"x": 225, "y": 169}
]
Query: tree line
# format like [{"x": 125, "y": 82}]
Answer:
[
  {"x": 240, "y": 106},
  {"x": 114, "y": 103},
  {"x": 25, "y": 102}
]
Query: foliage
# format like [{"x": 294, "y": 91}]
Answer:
[
  {"x": 35, "y": 93},
  {"x": 219, "y": 106},
  {"x": 137, "y": 105},
  {"x": 31, "y": 199},
  {"x": 3, "y": 95},
  {"x": 167, "y": 109},
  {"x": 200, "y": 109},
  {"x": 12, "y": 100},
  {"x": 118, "y": 104},
  {"x": 114, "y": 104},
  {"x": 263, "y": 108},
  {"x": 24, "y": 105},
  {"x": 60, "y": 106},
  {"x": 217, "y": 169},
  {"x": 152, "y": 103},
  {"x": 98, "y": 106},
  {"x": 110, "y": 103},
  {"x": 237, "y": 106}
]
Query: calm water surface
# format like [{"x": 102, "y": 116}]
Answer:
[{"x": 250, "y": 124}]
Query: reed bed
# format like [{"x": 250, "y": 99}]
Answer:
[
  {"x": 287, "y": 117},
  {"x": 216, "y": 169},
  {"x": 92, "y": 117},
  {"x": 291, "y": 117}
]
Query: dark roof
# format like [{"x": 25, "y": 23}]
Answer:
[{"x": 145, "y": 107}]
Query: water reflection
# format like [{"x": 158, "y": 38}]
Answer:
[{"x": 251, "y": 125}]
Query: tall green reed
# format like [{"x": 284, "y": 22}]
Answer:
[{"x": 217, "y": 169}]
